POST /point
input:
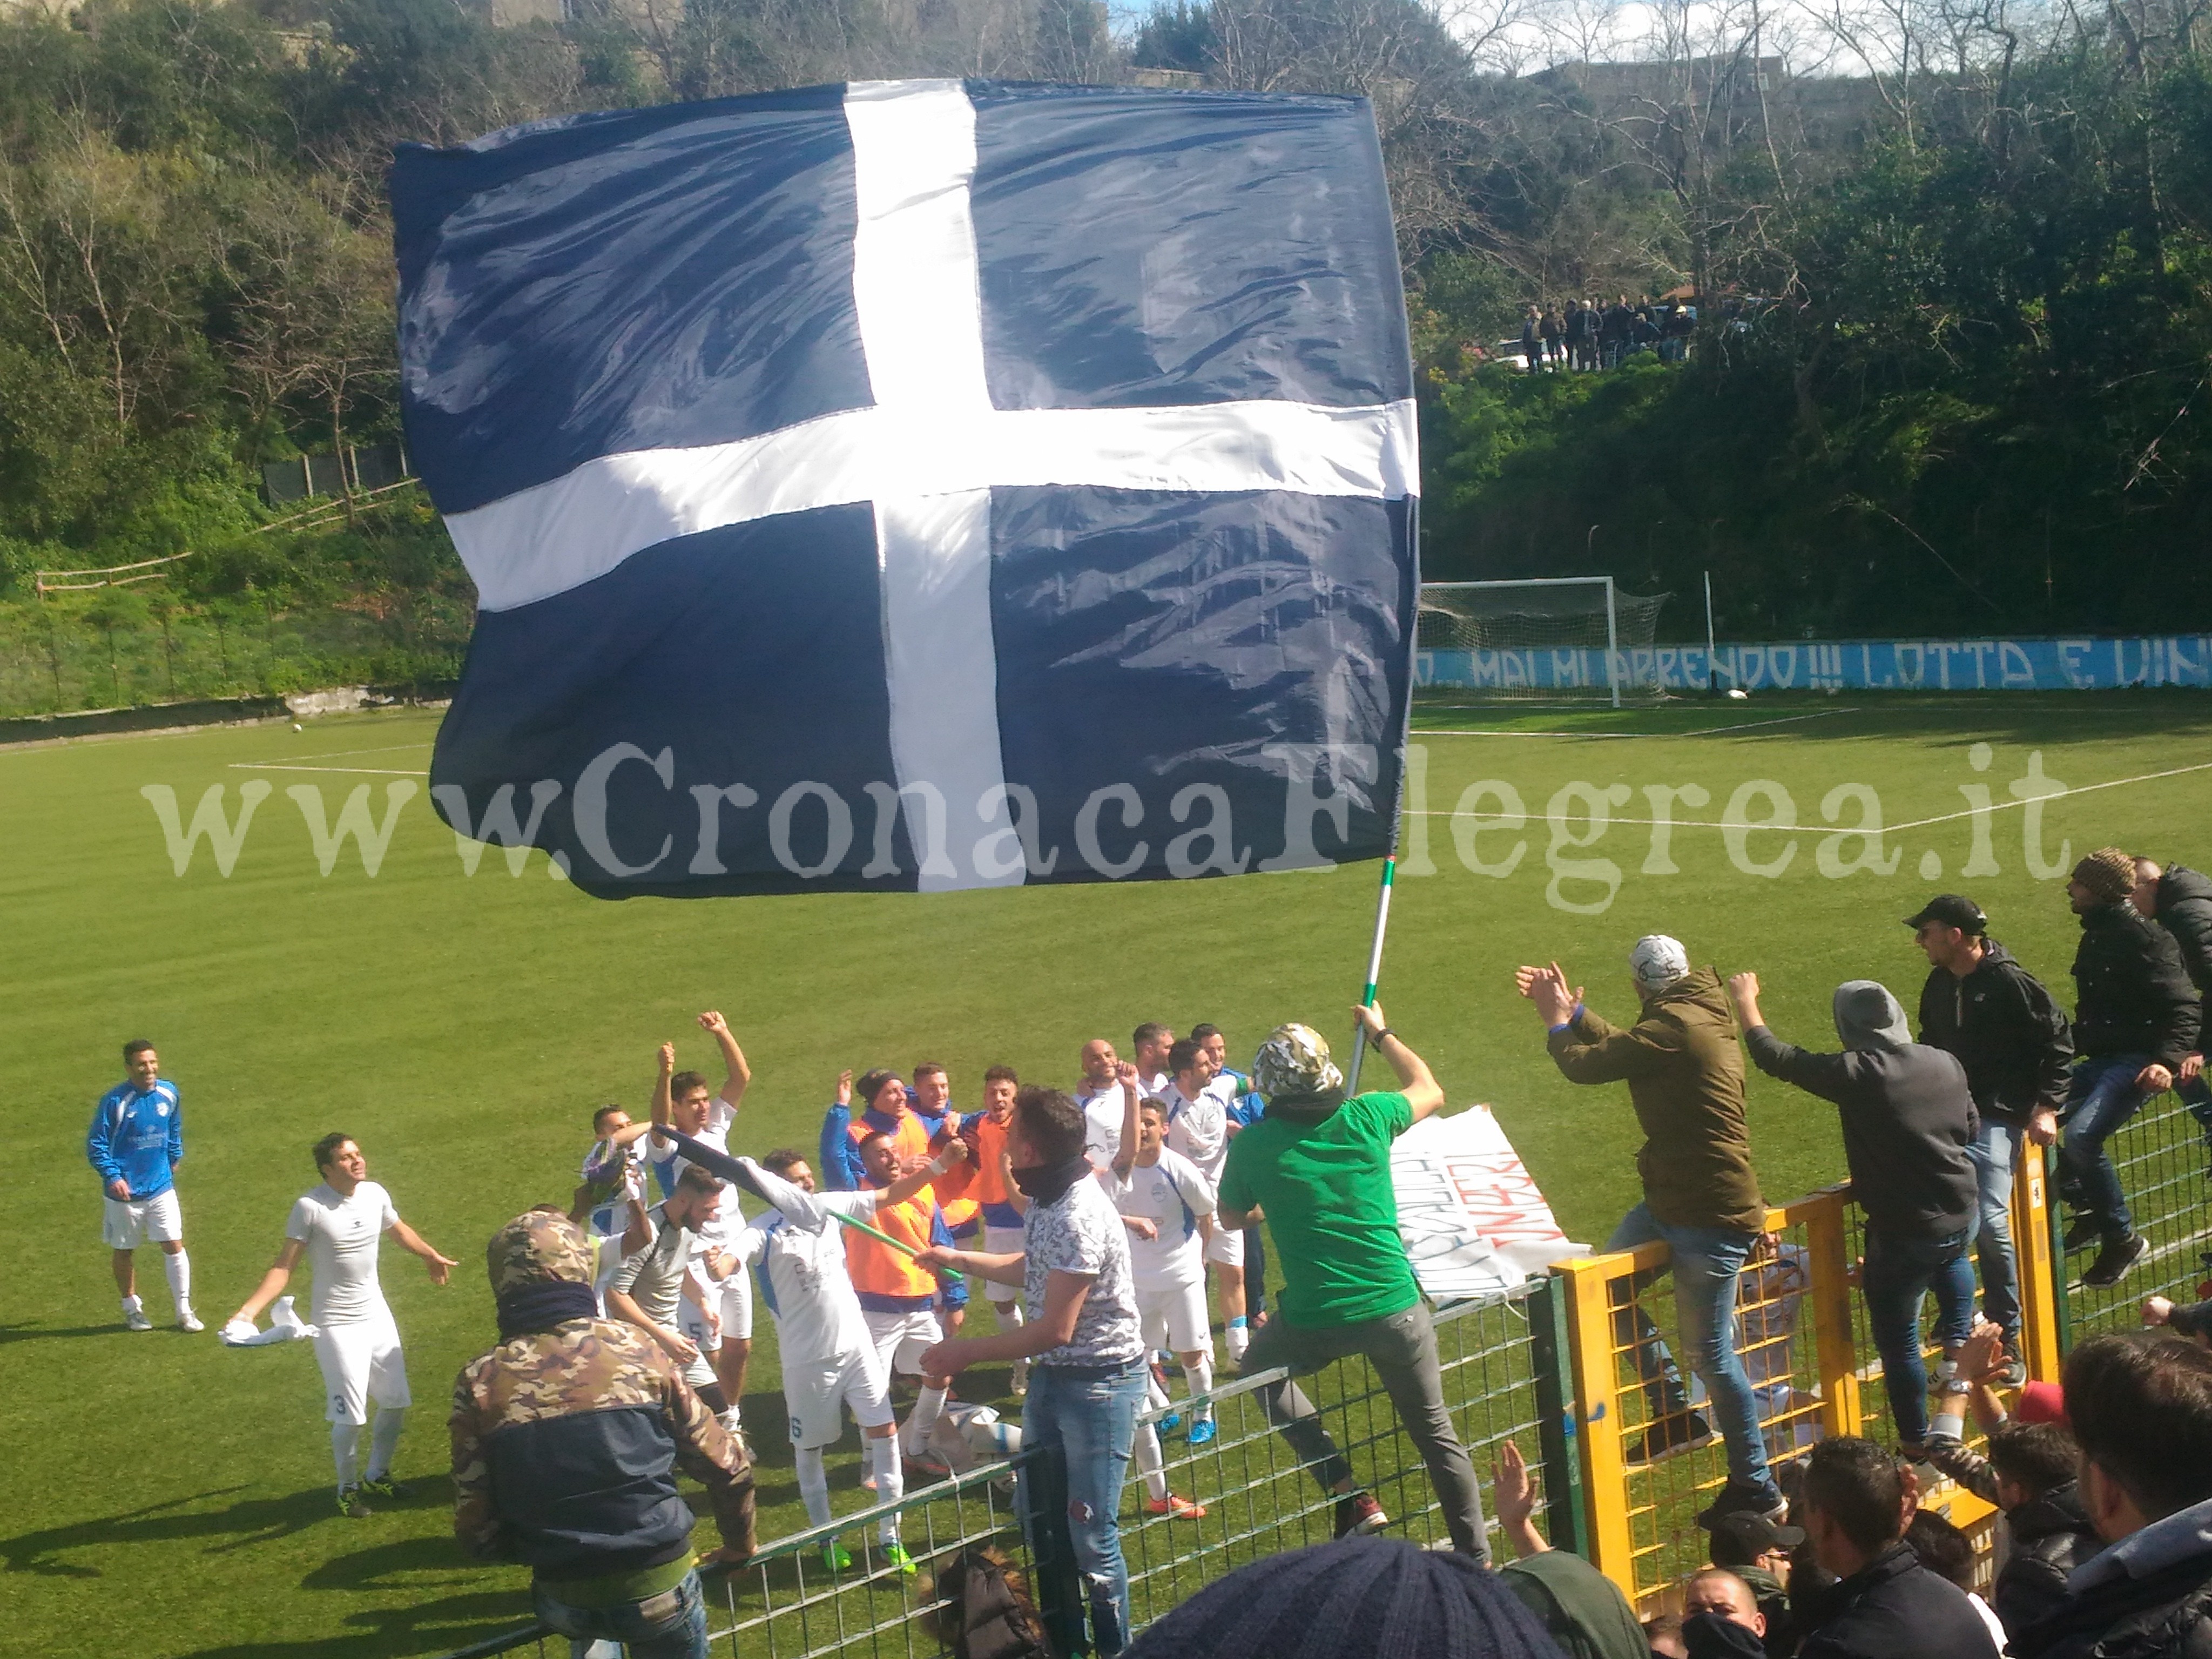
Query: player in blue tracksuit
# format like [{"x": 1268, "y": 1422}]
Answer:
[{"x": 135, "y": 1142}]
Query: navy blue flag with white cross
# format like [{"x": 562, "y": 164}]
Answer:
[{"x": 918, "y": 484}]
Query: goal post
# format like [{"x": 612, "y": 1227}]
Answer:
[{"x": 1556, "y": 636}]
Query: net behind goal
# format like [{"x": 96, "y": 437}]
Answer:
[{"x": 1565, "y": 638}]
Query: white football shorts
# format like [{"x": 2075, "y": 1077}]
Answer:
[
  {"x": 902, "y": 1337},
  {"x": 816, "y": 1394},
  {"x": 1226, "y": 1247},
  {"x": 362, "y": 1361},
  {"x": 1174, "y": 1318},
  {"x": 130, "y": 1222}
]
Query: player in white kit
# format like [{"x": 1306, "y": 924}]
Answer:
[
  {"x": 718, "y": 1315},
  {"x": 1167, "y": 1205},
  {"x": 829, "y": 1363},
  {"x": 1200, "y": 1107},
  {"x": 338, "y": 1227}
]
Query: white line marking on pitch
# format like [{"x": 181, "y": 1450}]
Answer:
[
  {"x": 1701, "y": 732},
  {"x": 1819, "y": 829},
  {"x": 372, "y": 771}
]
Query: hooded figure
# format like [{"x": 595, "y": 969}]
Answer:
[
  {"x": 1908, "y": 1112},
  {"x": 1908, "y": 1117}
]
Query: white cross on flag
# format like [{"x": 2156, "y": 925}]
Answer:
[{"x": 918, "y": 484}]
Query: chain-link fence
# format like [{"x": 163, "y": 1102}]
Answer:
[
  {"x": 2164, "y": 1157},
  {"x": 1499, "y": 1365}
]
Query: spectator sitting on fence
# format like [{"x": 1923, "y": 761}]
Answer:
[
  {"x": 2179, "y": 900},
  {"x": 1579, "y": 1607},
  {"x": 1757, "y": 1551},
  {"x": 1854, "y": 1506},
  {"x": 1949, "y": 1553},
  {"x": 1721, "y": 1617},
  {"x": 2141, "y": 1407},
  {"x": 1358, "y": 1598},
  {"x": 1317, "y": 1168},
  {"x": 1685, "y": 1076},
  {"x": 2008, "y": 1031},
  {"x": 2135, "y": 1024},
  {"x": 1907, "y": 1121},
  {"x": 2192, "y": 1319}
]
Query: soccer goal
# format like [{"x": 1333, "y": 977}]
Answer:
[{"x": 1556, "y": 637}]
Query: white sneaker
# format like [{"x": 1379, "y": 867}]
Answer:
[
  {"x": 187, "y": 1319},
  {"x": 134, "y": 1319}
]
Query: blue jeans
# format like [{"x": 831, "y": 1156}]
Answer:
[
  {"x": 1093, "y": 1422},
  {"x": 1995, "y": 1152},
  {"x": 1706, "y": 1261},
  {"x": 2196, "y": 1096},
  {"x": 670, "y": 1626},
  {"x": 2102, "y": 1096},
  {"x": 1896, "y": 1279}
]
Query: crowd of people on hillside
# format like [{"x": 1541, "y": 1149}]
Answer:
[
  {"x": 1587, "y": 335},
  {"x": 1096, "y": 1217}
]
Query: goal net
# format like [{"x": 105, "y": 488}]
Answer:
[{"x": 1570, "y": 637}]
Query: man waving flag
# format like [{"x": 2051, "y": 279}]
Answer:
[{"x": 918, "y": 484}]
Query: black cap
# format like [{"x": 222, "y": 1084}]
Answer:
[
  {"x": 1746, "y": 1536},
  {"x": 1952, "y": 911}
]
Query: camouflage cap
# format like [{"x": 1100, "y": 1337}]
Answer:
[
  {"x": 538, "y": 1247},
  {"x": 1294, "y": 1060}
]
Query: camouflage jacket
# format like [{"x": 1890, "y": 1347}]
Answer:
[{"x": 566, "y": 1444}]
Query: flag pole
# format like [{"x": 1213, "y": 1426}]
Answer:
[{"x": 1398, "y": 814}]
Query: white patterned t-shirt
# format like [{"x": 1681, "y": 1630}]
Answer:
[{"x": 1081, "y": 1232}]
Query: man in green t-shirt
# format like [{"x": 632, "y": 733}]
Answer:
[{"x": 1317, "y": 1168}]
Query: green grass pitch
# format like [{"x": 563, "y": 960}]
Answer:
[{"x": 169, "y": 1496}]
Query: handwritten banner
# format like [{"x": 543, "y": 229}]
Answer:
[
  {"x": 1970, "y": 665},
  {"x": 1473, "y": 1222}
]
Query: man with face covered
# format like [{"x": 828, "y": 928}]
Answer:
[{"x": 1909, "y": 1124}]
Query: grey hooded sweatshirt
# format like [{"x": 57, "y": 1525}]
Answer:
[{"x": 1907, "y": 1113}]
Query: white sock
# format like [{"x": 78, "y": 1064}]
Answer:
[
  {"x": 384, "y": 1440},
  {"x": 733, "y": 1420},
  {"x": 1239, "y": 1335},
  {"x": 928, "y": 1407},
  {"x": 813, "y": 1483},
  {"x": 1010, "y": 1315},
  {"x": 179, "y": 1270},
  {"x": 890, "y": 1480},
  {"x": 132, "y": 1304},
  {"x": 1148, "y": 1462},
  {"x": 345, "y": 1441},
  {"x": 1201, "y": 1379}
]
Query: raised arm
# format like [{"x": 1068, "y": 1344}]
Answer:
[
  {"x": 660, "y": 1099},
  {"x": 1125, "y": 1158},
  {"x": 1423, "y": 1093},
  {"x": 738, "y": 1074},
  {"x": 840, "y": 1165},
  {"x": 272, "y": 1282}
]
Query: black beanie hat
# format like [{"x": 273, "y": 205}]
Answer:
[{"x": 1359, "y": 1598}]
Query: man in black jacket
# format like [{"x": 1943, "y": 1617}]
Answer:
[
  {"x": 2179, "y": 900},
  {"x": 1854, "y": 1505},
  {"x": 567, "y": 1438},
  {"x": 2012, "y": 1036},
  {"x": 1907, "y": 1120},
  {"x": 2135, "y": 1019},
  {"x": 2142, "y": 1407}
]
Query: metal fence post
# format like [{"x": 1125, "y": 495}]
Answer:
[
  {"x": 1056, "y": 1580},
  {"x": 1567, "y": 1513},
  {"x": 2042, "y": 1269},
  {"x": 1589, "y": 1280},
  {"x": 1831, "y": 1291}
]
